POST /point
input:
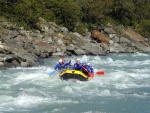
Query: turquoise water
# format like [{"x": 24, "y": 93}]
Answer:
[{"x": 125, "y": 87}]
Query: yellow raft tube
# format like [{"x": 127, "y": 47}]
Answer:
[{"x": 73, "y": 74}]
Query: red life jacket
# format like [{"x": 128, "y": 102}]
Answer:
[{"x": 84, "y": 70}]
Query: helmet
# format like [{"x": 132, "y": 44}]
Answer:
[
  {"x": 78, "y": 59},
  {"x": 90, "y": 65},
  {"x": 60, "y": 60},
  {"x": 83, "y": 62},
  {"x": 63, "y": 59}
]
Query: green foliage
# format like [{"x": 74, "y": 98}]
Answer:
[
  {"x": 68, "y": 13},
  {"x": 27, "y": 12},
  {"x": 99, "y": 10},
  {"x": 144, "y": 28},
  {"x": 80, "y": 28}
]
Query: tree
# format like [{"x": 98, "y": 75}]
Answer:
[{"x": 68, "y": 12}]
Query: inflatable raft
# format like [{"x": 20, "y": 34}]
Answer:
[{"x": 73, "y": 74}]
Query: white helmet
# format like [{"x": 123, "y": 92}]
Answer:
[
  {"x": 78, "y": 59},
  {"x": 60, "y": 60}
]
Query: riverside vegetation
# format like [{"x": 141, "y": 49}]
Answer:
[
  {"x": 79, "y": 14},
  {"x": 33, "y": 29}
]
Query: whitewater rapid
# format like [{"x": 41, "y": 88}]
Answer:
[{"x": 125, "y": 87}]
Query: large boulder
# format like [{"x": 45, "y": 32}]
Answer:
[
  {"x": 95, "y": 34},
  {"x": 137, "y": 40},
  {"x": 135, "y": 36}
]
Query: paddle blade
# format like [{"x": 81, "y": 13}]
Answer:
[
  {"x": 52, "y": 73},
  {"x": 100, "y": 72},
  {"x": 91, "y": 74}
]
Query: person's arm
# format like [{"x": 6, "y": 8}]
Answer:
[
  {"x": 67, "y": 63},
  {"x": 87, "y": 69},
  {"x": 92, "y": 70},
  {"x": 57, "y": 67}
]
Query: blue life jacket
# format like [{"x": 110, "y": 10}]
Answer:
[
  {"x": 66, "y": 65},
  {"x": 77, "y": 66},
  {"x": 62, "y": 66},
  {"x": 58, "y": 66},
  {"x": 91, "y": 70}
]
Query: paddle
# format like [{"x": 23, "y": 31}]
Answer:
[
  {"x": 91, "y": 74},
  {"x": 52, "y": 73},
  {"x": 100, "y": 72}
]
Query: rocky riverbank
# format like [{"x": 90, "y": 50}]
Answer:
[{"x": 20, "y": 47}]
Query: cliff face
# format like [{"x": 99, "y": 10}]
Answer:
[{"x": 19, "y": 47}]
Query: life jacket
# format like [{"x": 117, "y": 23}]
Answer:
[
  {"x": 85, "y": 69},
  {"x": 77, "y": 66}
]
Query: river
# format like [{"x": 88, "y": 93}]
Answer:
[{"x": 124, "y": 88}]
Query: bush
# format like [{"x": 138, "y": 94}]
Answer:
[
  {"x": 80, "y": 28},
  {"x": 144, "y": 28}
]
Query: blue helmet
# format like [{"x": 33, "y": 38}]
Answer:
[
  {"x": 90, "y": 65},
  {"x": 83, "y": 62}
]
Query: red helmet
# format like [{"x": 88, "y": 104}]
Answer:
[{"x": 63, "y": 59}]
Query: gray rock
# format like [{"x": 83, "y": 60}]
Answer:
[
  {"x": 124, "y": 40},
  {"x": 25, "y": 64},
  {"x": 59, "y": 54},
  {"x": 1, "y": 59},
  {"x": 142, "y": 47},
  {"x": 12, "y": 34},
  {"x": 109, "y": 30},
  {"x": 111, "y": 41},
  {"x": 1, "y": 64},
  {"x": 117, "y": 48},
  {"x": 79, "y": 52},
  {"x": 116, "y": 39},
  {"x": 70, "y": 47},
  {"x": 64, "y": 29}
]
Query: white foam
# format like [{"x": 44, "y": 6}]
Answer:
[
  {"x": 58, "y": 110},
  {"x": 120, "y": 78},
  {"x": 139, "y": 54},
  {"x": 68, "y": 89}
]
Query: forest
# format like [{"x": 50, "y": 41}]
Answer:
[{"x": 77, "y": 15}]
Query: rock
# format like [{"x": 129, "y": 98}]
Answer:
[
  {"x": 111, "y": 42},
  {"x": 99, "y": 36},
  {"x": 124, "y": 40},
  {"x": 25, "y": 64},
  {"x": 116, "y": 39},
  {"x": 79, "y": 52},
  {"x": 77, "y": 34},
  {"x": 59, "y": 54},
  {"x": 92, "y": 49},
  {"x": 12, "y": 34},
  {"x": 61, "y": 35},
  {"x": 29, "y": 58},
  {"x": 135, "y": 36},
  {"x": 43, "y": 47},
  {"x": 43, "y": 55},
  {"x": 1, "y": 59},
  {"x": 112, "y": 35},
  {"x": 117, "y": 48},
  {"x": 20, "y": 47},
  {"x": 64, "y": 29},
  {"x": 1, "y": 64},
  {"x": 142, "y": 47},
  {"x": 3, "y": 32},
  {"x": 109, "y": 30},
  {"x": 70, "y": 47}
]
